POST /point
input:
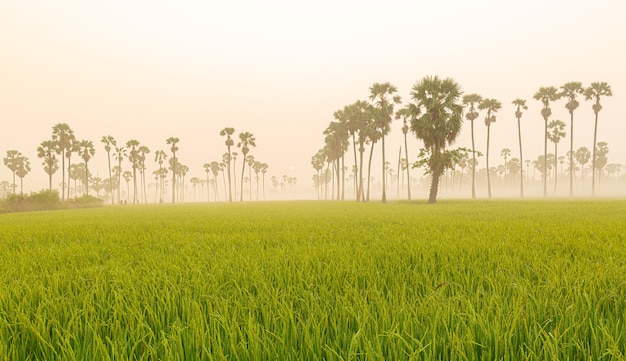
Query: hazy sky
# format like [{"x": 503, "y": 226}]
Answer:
[{"x": 148, "y": 70}]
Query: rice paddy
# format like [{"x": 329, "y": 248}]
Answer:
[{"x": 459, "y": 280}]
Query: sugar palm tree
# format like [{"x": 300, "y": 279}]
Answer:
[
  {"x": 173, "y": 142},
  {"x": 472, "y": 100},
  {"x": 86, "y": 151},
  {"x": 23, "y": 168},
  {"x": 570, "y": 91},
  {"x": 109, "y": 141},
  {"x": 383, "y": 98},
  {"x": 127, "y": 176},
  {"x": 404, "y": 114},
  {"x": 264, "y": 168},
  {"x": 555, "y": 134},
  {"x": 582, "y": 157},
  {"x": 246, "y": 140},
  {"x": 143, "y": 151},
  {"x": 228, "y": 132},
  {"x": 63, "y": 135},
  {"x": 546, "y": 95},
  {"x": 492, "y": 106},
  {"x": 46, "y": 151},
  {"x": 73, "y": 148},
  {"x": 12, "y": 161},
  {"x": 505, "y": 153},
  {"x": 133, "y": 157},
  {"x": 436, "y": 120},
  {"x": 595, "y": 92},
  {"x": 250, "y": 161},
  {"x": 215, "y": 169},
  {"x": 520, "y": 104},
  {"x": 119, "y": 155}
]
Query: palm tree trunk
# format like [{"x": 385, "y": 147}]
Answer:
[
  {"x": 593, "y": 158},
  {"x": 545, "y": 159},
  {"x": 474, "y": 164},
  {"x": 86, "y": 182},
  {"x": 384, "y": 199},
  {"x": 343, "y": 177},
  {"x": 434, "y": 187},
  {"x": 521, "y": 160},
  {"x": 408, "y": 178},
  {"x": 110, "y": 177},
  {"x": 555, "y": 167},
  {"x": 243, "y": 170},
  {"x": 230, "y": 192},
  {"x": 356, "y": 182},
  {"x": 487, "y": 156},
  {"x": 369, "y": 168},
  {"x": 571, "y": 155},
  {"x": 361, "y": 195}
]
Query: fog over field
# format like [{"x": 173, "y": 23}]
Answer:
[{"x": 281, "y": 69}]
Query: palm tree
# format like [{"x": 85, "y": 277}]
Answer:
[
  {"x": 46, "y": 151},
  {"x": 405, "y": 113},
  {"x": 207, "y": 170},
  {"x": 109, "y": 141},
  {"x": 143, "y": 150},
  {"x": 160, "y": 156},
  {"x": 12, "y": 161},
  {"x": 250, "y": 161},
  {"x": 582, "y": 157},
  {"x": 505, "y": 153},
  {"x": 133, "y": 157},
  {"x": 492, "y": 106},
  {"x": 520, "y": 104},
  {"x": 264, "y": 168},
  {"x": 73, "y": 148},
  {"x": 570, "y": 90},
  {"x": 472, "y": 100},
  {"x": 382, "y": 95},
  {"x": 546, "y": 95},
  {"x": 173, "y": 141},
  {"x": 555, "y": 134},
  {"x": 595, "y": 92},
  {"x": 86, "y": 150},
  {"x": 246, "y": 139},
  {"x": 120, "y": 153},
  {"x": 436, "y": 120},
  {"x": 228, "y": 132},
  {"x": 127, "y": 176},
  {"x": 215, "y": 169},
  {"x": 23, "y": 168},
  {"x": 63, "y": 135}
]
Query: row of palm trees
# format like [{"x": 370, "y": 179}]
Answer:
[
  {"x": 435, "y": 116},
  {"x": 63, "y": 144}
]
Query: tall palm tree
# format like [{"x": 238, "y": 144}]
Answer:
[
  {"x": 73, "y": 148},
  {"x": 160, "y": 157},
  {"x": 246, "y": 140},
  {"x": 250, "y": 161},
  {"x": 86, "y": 151},
  {"x": 133, "y": 157},
  {"x": 595, "y": 92},
  {"x": 173, "y": 141},
  {"x": 555, "y": 134},
  {"x": 505, "y": 153},
  {"x": 472, "y": 100},
  {"x": 546, "y": 95},
  {"x": 436, "y": 120},
  {"x": 46, "y": 151},
  {"x": 63, "y": 135},
  {"x": 109, "y": 141},
  {"x": 143, "y": 151},
  {"x": 127, "y": 176},
  {"x": 582, "y": 157},
  {"x": 404, "y": 114},
  {"x": 207, "y": 170},
  {"x": 12, "y": 161},
  {"x": 383, "y": 98},
  {"x": 228, "y": 132},
  {"x": 570, "y": 91},
  {"x": 520, "y": 104},
  {"x": 264, "y": 168},
  {"x": 492, "y": 106},
  {"x": 215, "y": 169},
  {"x": 23, "y": 168},
  {"x": 119, "y": 155}
]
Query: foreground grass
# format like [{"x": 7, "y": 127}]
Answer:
[{"x": 312, "y": 280}]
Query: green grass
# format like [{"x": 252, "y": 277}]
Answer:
[{"x": 459, "y": 280}]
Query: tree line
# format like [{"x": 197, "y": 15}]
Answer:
[{"x": 435, "y": 115}]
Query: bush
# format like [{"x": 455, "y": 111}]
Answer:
[
  {"x": 38, "y": 201},
  {"x": 86, "y": 202}
]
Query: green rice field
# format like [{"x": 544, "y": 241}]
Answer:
[{"x": 458, "y": 280}]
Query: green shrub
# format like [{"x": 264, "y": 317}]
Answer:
[{"x": 38, "y": 201}]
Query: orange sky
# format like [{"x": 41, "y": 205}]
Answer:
[{"x": 149, "y": 70}]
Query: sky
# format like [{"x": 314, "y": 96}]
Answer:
[{"x": 150, "y": 70}]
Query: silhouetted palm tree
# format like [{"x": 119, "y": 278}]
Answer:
[
  {"x": 520, "y": 104},
  {"x": 63, "y": 135},
  {"x": 46, "y": 151},
  {"x": 12, "y": 161},
  {"x": 108, "y": 142},
  {"x": 492, "y": 106},
  {"x": 555, "y": 134},
  {"x": 505, "y": 153},
  {"x": 228, "y": 132},
  {"x": 246, "y": 140},
  {"x": 133, "y": 157},
  {"x": 383, "y": 98},
  {"x": 143, "y": 151},
  {"x": 595, "y": 92},
  {"x": 546, "y": 95},
  {"x": 472, "y": 100},
  {"x": 436, "y": 120},
  {"x": 119, "y": 155},
  {"x": 23, "y": 168},
  {"x": 404, "y": 114},
  {"x": 173, "y": 141},
  {"x": 86, "y": 151},
  {"x": 570, "y": 91}
]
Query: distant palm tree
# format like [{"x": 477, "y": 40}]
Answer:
[
  {"x": 246, "y": 140},
  {"x": 492, "y": 106},
  {"x": 23, "y": 168},
  {"x": 228, "y": 132},
  {"x": 46, "y": 151},
  {"x": 12, "y": 161},
  {"x": 436, "y": 120},
  {"x": 108, "y": 142},
  {"x": 86, "y": 151},
  {"x": 207, "y": 170},
  {"x": 119, "y": 155},
  {"x": 595, "y": 92},
  {"x": 215, "y": 169},
  {"x": 250, "y": 161},
  {"x": 546, "y": 95},
  {"x": 472, "y": 100},
  {"x": 383, "y": 98},
  {"x": 570, "y": 90},
  {"x": 505, "y": 153},
  {"x": 127, "y": 176},
  {"x": 173, "y": 141},
  {"x": 63, "y": 135},
  {"x": 133, "y": 157},
  {"x": 264, "y": 168},
  {"x": 72, "y": 148},
  {"x": 555, "y": 134},
  {"x": 143, "y": 151},
  {"x": 520, "y": 104},
  {"x": 405, "y": 113}
]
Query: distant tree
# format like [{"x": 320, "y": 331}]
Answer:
[
  {"x": 215, "y": 169},
  {"x": 160, "y": 157},
  {"x": 12, "y": 161},
  {"x": 246, "y": 140},
  {"x": 520, "y": 105},
  {"x": 173, "y": 141},
  {"x": 142, "y": 152},
  {"x": 405, "y": 113},
  {"x": 108, "y": 142},
  {"x": 46, "y": 151},
  {"x": 582, "y": 157},
  {"x": 133, "y": 156},
  {"x": 23, "y": 168},
  {"x": 119, "y": 155},
  {"x": 492, "y": 106},
  {"x": 127, "y": 177},
  {"x": 505, "y": 153},
  {"x": 264, "y": 168},
  {"x": 595, "y": 92},
  {"x": 555, "y": 134},
  {"x": 63, "y": 135},
  {"x": 546, "y": 95},
  {"x": 436, "y": 120},
  {"x": 383, "y": 97},
  {"x": 570, "y": 91},
  {"x": 602, "y": 150},
  {"x": 86, "y": 151},
  {"x": 207, "y": 170},
  {"x": 228, "y": 132},
  {"x": 473, "y": 101},
  {"x": 71, "y": 149}
]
